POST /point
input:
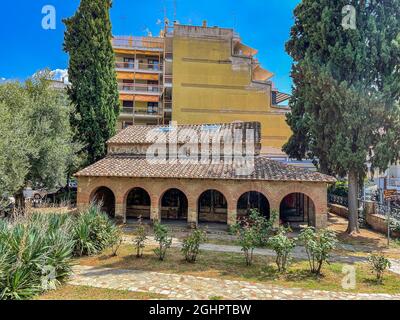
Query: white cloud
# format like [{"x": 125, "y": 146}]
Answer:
[{"x": 59, "y": 74}]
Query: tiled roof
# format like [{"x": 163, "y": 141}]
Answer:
[
  {"x": 136, "y": 167},
  {"x": 146, "y": 134}
]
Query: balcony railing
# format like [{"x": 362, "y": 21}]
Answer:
[
  {"x": 138, "y": 66},
  {"x": 140, "y": 88},
  {"x": 394, "y": 182},
  {"x": 142, "y": 112},
  {"x": 127, "y": 110},
  {"x": 143, "y": 43}
]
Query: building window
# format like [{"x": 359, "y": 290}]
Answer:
[
  {"x": 154, "y": 64},
  {"x": 129, "y": 63},
  {"x": 152, "y": 107},
  {"x": 152, "y": 86}
]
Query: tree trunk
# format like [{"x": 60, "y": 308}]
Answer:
[
  {"x": 20, "y": 200},
  {"x": 352, "y": 199}
]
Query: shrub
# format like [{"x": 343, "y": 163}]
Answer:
[
  {"x": 283, "y": 247},
  {"x": 35, "y": 255},
  {"x": 262, "y": 227},
  {"x": 254, "y": 231},
  {"x": 379, "y": 263},
  {"x": 140, "y": 238},
  {"x": 36, "y": 252},
  {"x": 161, "y": 235},
  {"x": 318, "y": 245},
  {"x": 191, "y": 245},
  {"x": 93, "y": 231}
]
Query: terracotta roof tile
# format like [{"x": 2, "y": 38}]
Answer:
[
  {"x": 144, "y": 134},
  {"x": 265, "y": 169}
]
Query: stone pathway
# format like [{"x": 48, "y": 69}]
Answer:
[{"x": 175, "y": 286}]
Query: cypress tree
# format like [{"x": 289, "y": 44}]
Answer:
[
  {"x": 345, "y": 103},
  {"x": 91, "y": 71}
]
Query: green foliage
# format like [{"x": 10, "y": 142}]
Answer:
[
  {"x": 318, "y": 245},
  {"x": 283, "y": 247},
  {"x": 340, "y": 188},
  {"x": 254, "y": 231},
  {"x": 379, "y": 263},
  {"x": 36, "y": 252},
  {"x": 35, "y": 255},
  {"x": 191, "y": 244},
  {"x": 140, "y": 238},
  {"x": 93, "y": 231},
  {"x": 91, "y": 70},
  {"x": 35, "y": 136},
  {"x": 161, "y": 235},
  {"x": 346, "y": 91}
]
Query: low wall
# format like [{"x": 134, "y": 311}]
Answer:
[
  {"x": 375, "y": 221},
  {"x": 339, "y": 210}
]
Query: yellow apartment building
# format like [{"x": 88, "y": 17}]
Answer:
[{"x": 198, "y": 74}]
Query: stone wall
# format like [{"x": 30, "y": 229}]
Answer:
[
  {"x": 274, "y": 191},
  {"x": 339, "y": 210}
]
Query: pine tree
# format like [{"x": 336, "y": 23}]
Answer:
[
  {"x": 345, "y": 103},
  {"x": 91, "y": 71}
]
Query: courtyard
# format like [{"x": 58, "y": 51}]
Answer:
[{"x": 220, "y": 272}]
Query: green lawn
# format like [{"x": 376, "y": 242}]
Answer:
[
  {"x": 232, "y": 266},
  {"x": 71, "y": 292}
]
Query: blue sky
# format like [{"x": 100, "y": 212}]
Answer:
[{"x": 26, "y": 47}]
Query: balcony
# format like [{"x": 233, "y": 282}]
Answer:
[
  {"x": 139, "y": 88},
  {"x": 393, "y": 183},
  {"x": 138, "y": 67},
  {"x": 138, "y": 43},
  {"x": 141, "y": 113}
]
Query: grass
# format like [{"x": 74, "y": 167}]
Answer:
[
  {"x": 232, "y": 266},
  {"x": 71, "y": 292}
]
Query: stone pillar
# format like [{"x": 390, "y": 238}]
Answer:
[
  {"x": 192, "y": 217},
  {"x": 155, "y": 214},
  {"x": 120, "y": 216},
  {"x": 321, "y": 220},
  {"x": 275, "y": 208},
  {"x": 232, "y": 212}
]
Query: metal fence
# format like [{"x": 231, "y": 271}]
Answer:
[{"x": 343, "y": 201}]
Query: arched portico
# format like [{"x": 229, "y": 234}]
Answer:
[
  {"x": 253, "y": 200},
  {"x": 212, "y": 206},
  {"x": 138, "y": 203},
  {"x": 174, "y": 205},
  {"x": 104, "y": 197},
  {"x": 296, "y": 209}
]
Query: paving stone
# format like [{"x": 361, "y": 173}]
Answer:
[{"x": 191, "y": 287}]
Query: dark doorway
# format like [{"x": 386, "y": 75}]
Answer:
[
  {"x": 138, "y": 204},
  {"x": 213, "y": 207},
  {"x": 297, "y": 208},
  {"x": 174, "y": 205},
  {"x": 250, "y": 201},
  {"x": 106, "y": 199}
]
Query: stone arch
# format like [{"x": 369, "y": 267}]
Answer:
[
  {"x": 297, "y": 208},
  {"x": 253, "y": 200},
  {"x": 104, "y": 197},
  {"x": 212, "y": 206},
  {"x": 137, "y": 202},
  {"x": 174, "y": 205}
]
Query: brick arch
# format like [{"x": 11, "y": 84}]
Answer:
[
  {"x": 242, "y": 189},
  {"x": 126, "y": 193},
  {"x": 213, "y": 217},
  {"x": 109, "y": 205},
  {"x": 309, "y": 192},
  {"x": 260, "y": 191},
  {"x": 164, "y": 190},
  {"x": 101, "y": 185}
]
